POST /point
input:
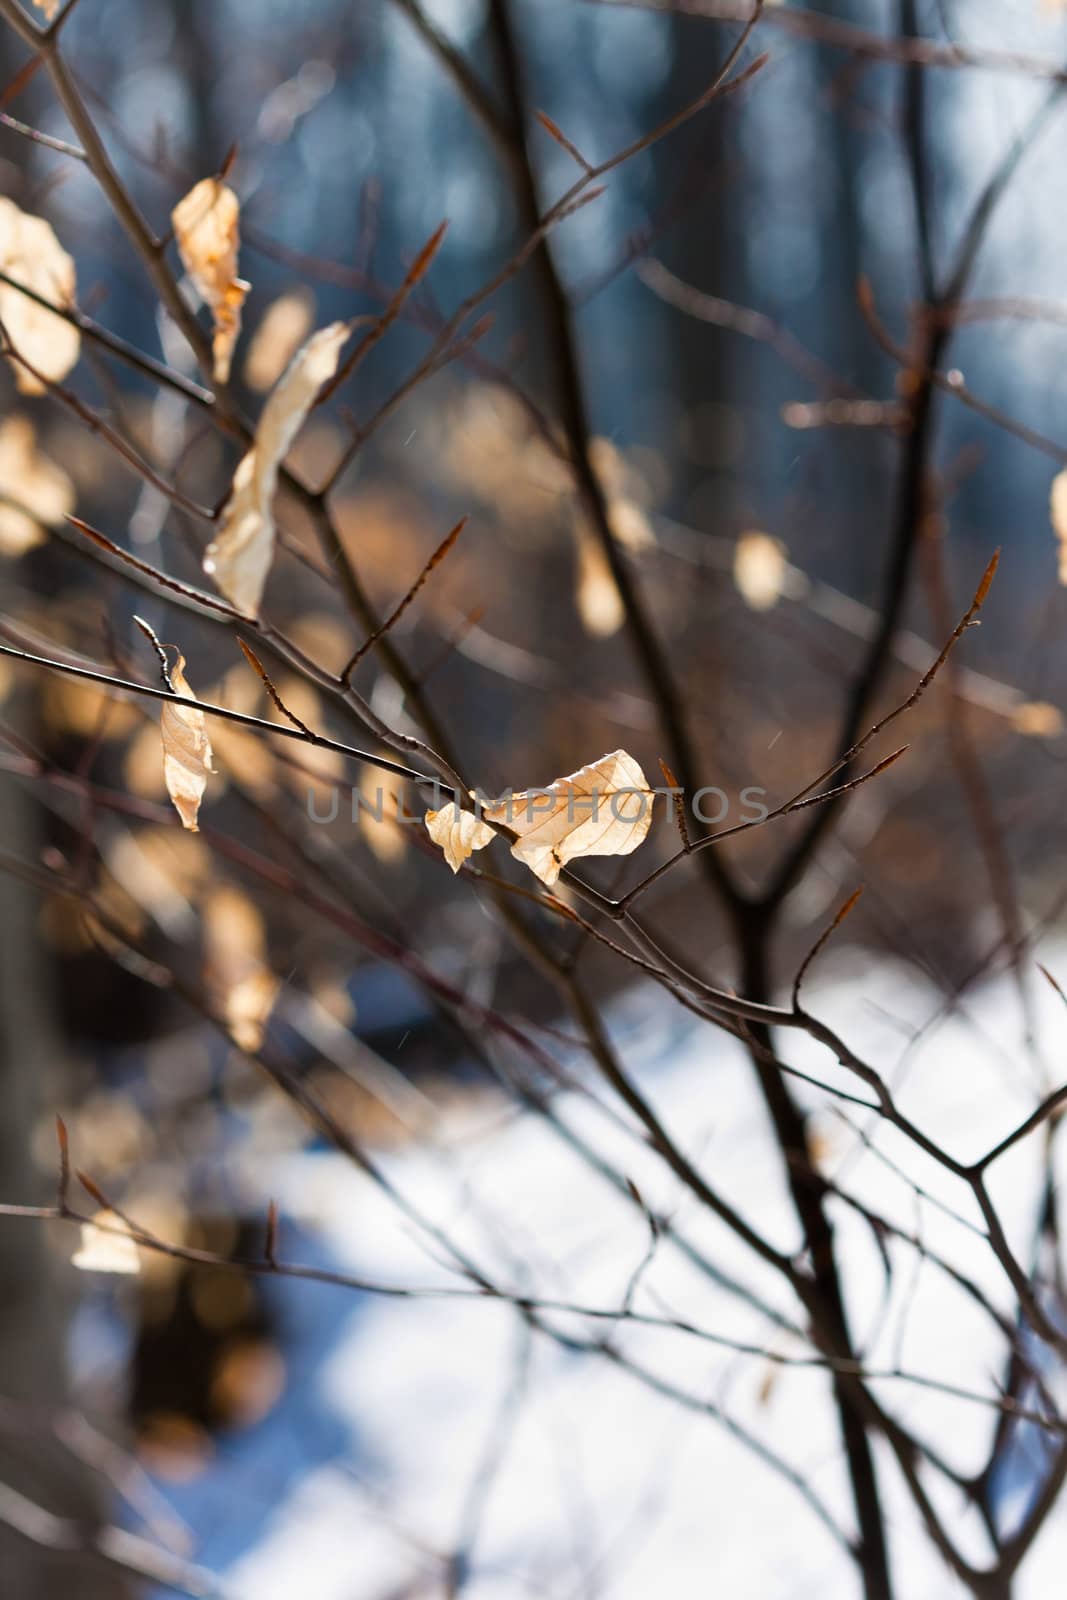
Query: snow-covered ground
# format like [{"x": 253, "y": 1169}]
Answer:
[{"x": 558, "y": 1474}]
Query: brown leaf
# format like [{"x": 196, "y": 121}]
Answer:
[
  {"x": 186, "y": 751},
  {"x": 32, "y": 255},
  {"x": 459, "y": 833},
  {"x": 206, "y": 232},
  {"x": 604, "y": 809},
  {"x": 240, "y": 556}
]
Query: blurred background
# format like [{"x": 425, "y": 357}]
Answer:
[{"x": 734, "y": 296}]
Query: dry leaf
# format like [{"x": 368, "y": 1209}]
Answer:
[
  {"x": 604, "y": 809},
  {"x": 49, "y": 7},
  {"x": 759, "y": 570},
  {"x": 186, "y": 751},
  {"x": 34, "y": 492},
  {"x": 31, "y": 254},
  {"x": 1058, "y": 512},
  {"x": 459, "y": 833},
  {"x": 280, "y": 334},
  {"x": 104, "y": 1251},
  {"x": 206, "y": 231},
  {"x": 240, "y": 555}
]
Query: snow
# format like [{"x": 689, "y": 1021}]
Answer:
[{"x": 560, "y": 1474}]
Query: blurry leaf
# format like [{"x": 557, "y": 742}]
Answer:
[
  {"x": 240, "y": 556},
  {"x": 235, "y": 958},
  {"x": 110, "y": 1134},
  {"x": 1058, "y": 512},
  {"x": 205, "y": 229},
  {"x": 759, "y": 570},
  {"x": 49, "y": 7},
  {"x": 80, "y": 708},
  {"x": 280, "y": 334},
  {"x": 304, "y": 768},
  {"x": 186, "y": 751},
  {"x": 103, "y": 1251},
  {"x": 604, "y": 809},
  {"x": 248, "y": 1381},
  {"x": 31, "y": 254},
  {"x": 174, "y": 1447},
  {"x": 382, "y": 792},
  {"x": 33, "y": 490},
  {"x": 459, "y": 833},
  {"x": 1038, "y": 719},
  {"x": 598, "y": 600},
  {"x": 630, "y": 526},
  {"x": 161, "y": 870}
]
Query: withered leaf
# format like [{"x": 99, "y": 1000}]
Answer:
[
  {"x": 186, "y": 751},
  {"x": 459, "y": 833},
  {"x": 206, "y": 232},
  {"x": 240, "y": 556},
  {"x": 604, "y": 809}
]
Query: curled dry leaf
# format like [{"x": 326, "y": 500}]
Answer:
[
  {"x": 1058, "y": 511},
  {"x": 206, "y": 232},
  {"x": 102, "y": 1250},
  {"x": 31, "y": 254},
  {"x": 239, "y": 557},
  {"x": 604, "y": 809},
  {"x": 459, "y": 833},
  {"x": 35, "y": 493},
  {"x": 759, "y": 570},
  {"x": 186, "y": 751}
]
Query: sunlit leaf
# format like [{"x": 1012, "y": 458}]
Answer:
[
  {"x": 206, "y": 232},
  {"x": 604, "y": 809},
  {"x": 186, "y": 751},
  {"x": 240, "y": 556},
  {"x": 458, "y": 833},
  {"x": 32, "y": 255}
]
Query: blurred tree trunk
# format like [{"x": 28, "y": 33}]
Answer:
[{"x": 36, "y": 1302}]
